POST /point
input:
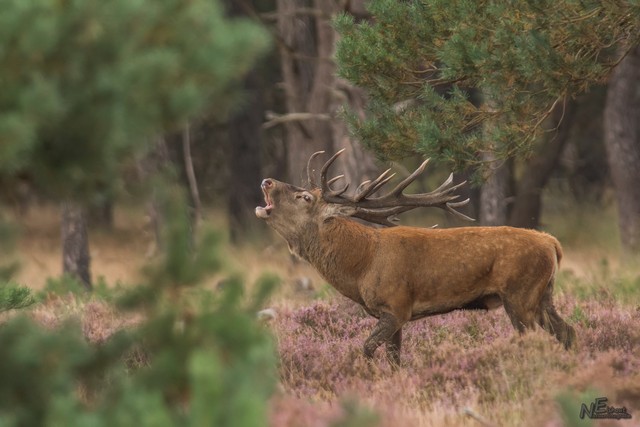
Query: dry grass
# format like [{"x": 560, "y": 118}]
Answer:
[
  {"x": 460, "y": 369},
  {"x": 117, "y": 255}
]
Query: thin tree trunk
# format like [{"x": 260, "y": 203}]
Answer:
[
  {"x": 76, "y": 260},
  {"x": 196, "y": 215},
  {"x": 622, "y": 140},
  {"x": 527, "y": 204},
  {"x": 151, "y": 169}
]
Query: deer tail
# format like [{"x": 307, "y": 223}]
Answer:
[{"x": 558, "y": 248}]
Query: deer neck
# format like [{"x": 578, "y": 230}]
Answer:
[{"x": 341, "y": 251}]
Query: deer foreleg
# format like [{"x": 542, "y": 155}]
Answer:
[{"x": 386, "y": 331}]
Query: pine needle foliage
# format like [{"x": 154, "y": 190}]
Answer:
[
  {"x": 454, "y": 79},
  {"x": 86, "y": 82},
  {"x": 14, "y": 297}
]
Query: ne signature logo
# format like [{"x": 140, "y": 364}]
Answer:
[{"x": 599, "y": 409}]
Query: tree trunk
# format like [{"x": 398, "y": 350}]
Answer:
[
  {"x": 76, "y": 261},
  {"x": 301, "y": 71},
  {"x": 356, "y": 163},
  {"x": 192, "y": 182},
  {"x": 307, "y": 43},
  {"x": 152, "y": 169},
  {"x": 495, "y": 192},
  {"x": 622, "y": 140},
  {"x": 527, "y": 204}
]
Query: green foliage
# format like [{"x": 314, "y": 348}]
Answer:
[
  {"x": 451, "y": 79},
  {"x": 570, "y": 403},
  {"x": 66, "y": 284},
  {"x": 198, "y": 358},
  {"x": 603, "y": 284},
  {"x": 86, "y": 82},
  {"x": 14, "y": 297}
]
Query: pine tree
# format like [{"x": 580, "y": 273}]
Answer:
[
  {"x": 455, "y": 79},
  {"x": 86, "y": 83}
]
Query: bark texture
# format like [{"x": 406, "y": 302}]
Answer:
[
  {"x": 495, "y": 192},
  {"x": 622, "y": 140},
  {"x": 307, "y": 43},
  {"x": 151, "y": 168},
  {"x": 76, "y": 260}
]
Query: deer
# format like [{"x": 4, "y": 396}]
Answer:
[{"x": 400, "y": 274}]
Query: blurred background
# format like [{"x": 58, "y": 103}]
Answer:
[{"x": 265, "y": 115}]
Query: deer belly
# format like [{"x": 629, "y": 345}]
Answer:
[{"x": 484, "y": 302}]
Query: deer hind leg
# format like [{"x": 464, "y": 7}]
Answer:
[
  {"x": 386, "y": 331},
  {"x": 522, "y": 303},
  {"x": 550, "y": 320},
  {"x": 521, "y": 318},
  {"x": 393, "y": 347}
]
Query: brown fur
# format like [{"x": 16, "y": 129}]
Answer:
[{"x": 405, "y": 273}]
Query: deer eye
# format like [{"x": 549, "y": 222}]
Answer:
[{"x": 306, "y": 198}]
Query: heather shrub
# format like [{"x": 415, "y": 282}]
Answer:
[{"x": 452, "y": 365}]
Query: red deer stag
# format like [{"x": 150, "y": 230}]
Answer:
[{"x": 401, "y": 273}]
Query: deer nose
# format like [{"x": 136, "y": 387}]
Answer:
[{"x": 267, "y": 183}]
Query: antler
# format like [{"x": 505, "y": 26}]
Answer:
[
  {"x": 383, "y": 209},
  {"x": 311, "y": 182}
]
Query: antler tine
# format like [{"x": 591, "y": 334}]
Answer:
[
  {"x": 381, "y": 183},
  {"x": 334, "y": 179},
  {"x": 445, "y": 184},
  {"x": 362, "y": 185},
  {"x": 446, "y": 191},
  {"x": 408, "y": 180},
  {"x": 450, "y": 208},
  {"x": 323, "y": 172},
  {"x": 311, "y": 182},
  {"x": 335, "y": 193},
  {"x": 374, "y": 185}
]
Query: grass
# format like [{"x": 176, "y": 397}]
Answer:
[{"x": 459, "y": 369}]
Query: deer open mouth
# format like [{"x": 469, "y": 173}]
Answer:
[{"x": 264, "y": 211}]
